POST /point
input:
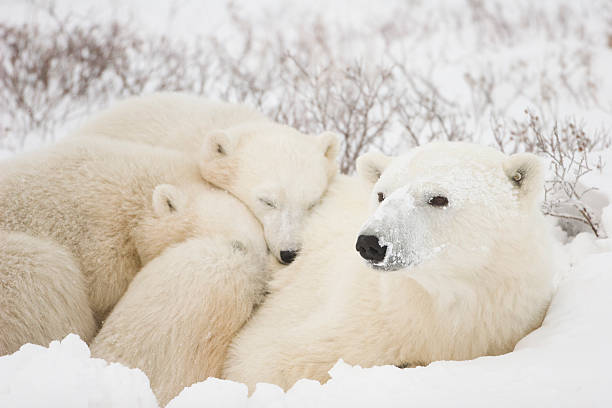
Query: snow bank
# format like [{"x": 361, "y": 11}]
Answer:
[
  {"x": 565, "y": 363},
  {"x": 64, "y": 375}
]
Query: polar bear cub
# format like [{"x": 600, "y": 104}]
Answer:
[
  {"x": 79, "y": 220},
  {"x": 278, "y": 172},
  {"x": 454, "y": 261},
  {"x": 181, "y": 311}
]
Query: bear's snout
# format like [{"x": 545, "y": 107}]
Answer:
[{"x": 369, "y": 248}]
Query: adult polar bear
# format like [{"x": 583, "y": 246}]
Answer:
[
  {"x": 288, "y": 170},
  {"x": 464, "y": 269}
]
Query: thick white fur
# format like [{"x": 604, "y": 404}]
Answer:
[
  {"x": 36, "y": 274},
  {"x": 181, "y": 311},
  {"x": 173, "y": 120},
  {"x": 278, "y": 172},
  {"x": 78, "y": 220},
  {"x": 478, "y": 295}
]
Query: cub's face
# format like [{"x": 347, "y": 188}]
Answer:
[
  {"x": 448, "y": 202},
  {"x": 277, "y": 172},
  {"x": 179, "y": 213}
]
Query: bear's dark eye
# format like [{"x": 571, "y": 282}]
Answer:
[
  {"x": 267, "y": 202},
  {"x": 381, "y": 197},
  {"x": 438, "y": 201}
]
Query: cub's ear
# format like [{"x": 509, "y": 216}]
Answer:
[
  {"x": 168, "y": 199},
  {"x": 526, "y": 172},
  {"x": 217, "y": 159},
  {"x": 371, "y": 165},
  {"x": 330, "y": 145},
  {"x": 218, "y": 144}
]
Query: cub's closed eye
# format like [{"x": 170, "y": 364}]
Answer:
[
  {"x": 267, "y": 202},
  {"x": 313, "y": 205},
  {"x": 438, "y": 201},
  {"x": 381, "y": 197}
]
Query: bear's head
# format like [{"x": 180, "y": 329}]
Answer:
[
  {"x": 448, "y": 206},
  {"x": 278, "y": 172},
  {"x": 179, "y": 213}
]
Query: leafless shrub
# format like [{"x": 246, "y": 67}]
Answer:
[
  {"x": 426, "y": 116},
  {"x": 567, "y": 148},
  {"x": 40, "y": 74},
  {"x": 50, "y": 75},
  {"x": 351, "y": 100}
]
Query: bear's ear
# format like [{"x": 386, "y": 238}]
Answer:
[
  {"x": 218, "y": 144},
  {"x": 526, "y": 173},
  {"x": 330, "y": 145},
  {"x": 371, "y": 165},
  {"x": 168, "y": 199},
  {"x": 216, "y": 161}
]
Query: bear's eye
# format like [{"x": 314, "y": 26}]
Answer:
[
  {"x": 438, "y": 201},
  {"x": 313, "y": 205},
  {"x": 268, "y": 203},
  {"x": 381, "y": 197}
]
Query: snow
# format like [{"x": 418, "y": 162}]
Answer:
[
  {"x": 564, "y": 363},
  {"x": 64, "y": 375}
]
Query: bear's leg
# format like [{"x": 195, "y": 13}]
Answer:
[
  {"x": 43, "y": 294},
  {"x": 181, "y": 311}
]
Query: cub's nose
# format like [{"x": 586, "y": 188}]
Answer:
[
  {"x": 369, "y": 248},
  {"x": 287, "y": 256}
]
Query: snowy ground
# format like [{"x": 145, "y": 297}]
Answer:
[
  {"x": 565, "y": 363},
  {"x": 560, "y": 69}
]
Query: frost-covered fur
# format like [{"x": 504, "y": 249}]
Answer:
[
  {"x": 181, "y": 311},
  {"x": 278, "y": 172},
  {"x": 78, "y": 220},
  {"x": 461, "y": 281}
]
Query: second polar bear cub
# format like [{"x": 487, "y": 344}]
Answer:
[
  {"x": 182, "y": 309},
  {"x": 278, "y": 172}
]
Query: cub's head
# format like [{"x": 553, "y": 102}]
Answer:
[
  {"x": 278, "y": 172},
  {"x": 447, "y": 203},
  {"x": 179, "y": 213}
]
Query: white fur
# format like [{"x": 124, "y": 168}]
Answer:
[
  {"x": 278, "y": 172},
  {"x": 79, "y": 220},
  {"x": 181, "y": 311},
  {"x": 34, "y": 274},
  {"x": 478, "y": 277}
]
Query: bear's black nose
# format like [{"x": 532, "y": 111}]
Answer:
[
  {"x": 287, "y": 256},
  {"x": 370, "y": 249}
]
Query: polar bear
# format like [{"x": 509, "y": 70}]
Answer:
[
  {"x": 283, "y": 178},
  {"x": 78, "y": 221},
  {"x": 453, "y": 262},
  {"x": 181, "y": 311}
]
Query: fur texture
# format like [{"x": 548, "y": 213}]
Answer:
[
  {"x": 39, "y": 281},
  {"x": 181, "y": 311}
]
